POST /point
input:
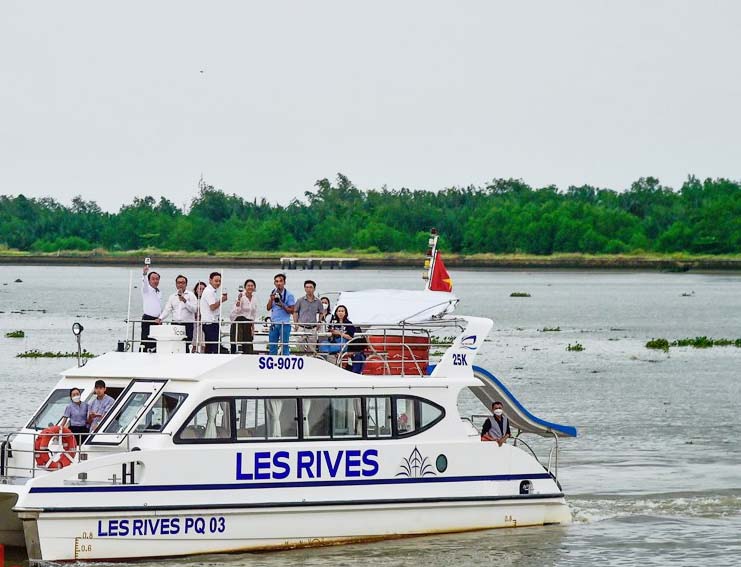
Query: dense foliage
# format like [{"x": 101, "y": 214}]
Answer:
[{"x": 506, "y": 216}]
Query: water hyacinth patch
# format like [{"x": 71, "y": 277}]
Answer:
[
  {"x": 697, "y": 342},
  {"x": 35, "y": 353},
  {"x": 658, "y": 344}
]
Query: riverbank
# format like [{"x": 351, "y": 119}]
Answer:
[{"x": 666, "y": 262}]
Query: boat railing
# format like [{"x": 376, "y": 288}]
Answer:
[
  {"x": 30, "y": 469},
  {"x": 402, "y": 348},
  {"x": 552, "y": 464}
]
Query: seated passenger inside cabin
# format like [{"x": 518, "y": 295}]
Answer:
[{"x": 496, "y": 428}]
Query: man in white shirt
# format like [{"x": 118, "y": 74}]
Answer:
[
  {"x": 152, "y": 303},
  {"x": 211, "y": 300},
  {"x": 182, "y": 305}
]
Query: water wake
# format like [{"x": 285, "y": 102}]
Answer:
[{"x": 597, "y": 508}]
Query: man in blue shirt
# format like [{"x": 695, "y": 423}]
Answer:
[
  {"x": 100, "y": 405},
  {"x": 281, "y": 306}
]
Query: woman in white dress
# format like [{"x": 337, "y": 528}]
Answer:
[{"x": 198, "y": 338}]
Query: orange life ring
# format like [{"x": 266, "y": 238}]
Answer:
[{"x": 59, "y": 455}]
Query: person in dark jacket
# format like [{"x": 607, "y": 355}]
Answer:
[{"x": 496, "y": 428}]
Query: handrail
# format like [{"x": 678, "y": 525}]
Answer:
[
  {"x": 552, "y": 453},
  {"x": 79, "y": 453},
  {"x": 516, "y": 441},
  {"x": 555, "y": 437},
  {"x": 380, "y": 340}
]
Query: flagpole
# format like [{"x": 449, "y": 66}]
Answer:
[{"x": 431, "y": 257}]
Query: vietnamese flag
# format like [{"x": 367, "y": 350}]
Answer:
[{"x": 440, "y": 280}]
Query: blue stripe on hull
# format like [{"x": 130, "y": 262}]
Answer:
[
  {"x": 307, "y": 504},
  {"x": 260, "y": 485}
]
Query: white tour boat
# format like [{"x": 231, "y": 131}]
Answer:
[{"x": 222, "y": 452}]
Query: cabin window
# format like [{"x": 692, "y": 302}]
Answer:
[
  {"x": 161, "y": 412},
  {"x": 347, "y": 417},
  {"x": 335, "y": 417},
  {"x": 52, "y": 410},
  {"x": 378, "y": 417},
  {"x": 332, "y": 418},
  {"x": 317, "y": 416},
  {"x": 266, "y": 418},
  {"x": 428, "y": 414},
  {"x": 405, "y": 415},
  {"x": 414, "y": 415},
  {"x": 211, "y": 422},
  {"x": 251, "y": 419},
  {"x": 128, "y": 412}
]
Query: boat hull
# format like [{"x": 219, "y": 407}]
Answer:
[
  {"x": 11, "y": 529},
  {"x": 165, "y": 533}
]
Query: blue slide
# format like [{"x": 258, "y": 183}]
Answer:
[{"x": 493, "y": 390}]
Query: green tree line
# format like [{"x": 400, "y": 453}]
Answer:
[{"x": 505, "y": 216}]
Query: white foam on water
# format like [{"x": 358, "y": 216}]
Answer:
[{"x": 590, "y": 510}]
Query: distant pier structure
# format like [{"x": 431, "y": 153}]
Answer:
[{"x": 287, "y": 263}]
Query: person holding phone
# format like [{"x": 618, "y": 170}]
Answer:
[
  {"x": 211, "y": 301},
  {"x": 281, "y": 306},
  {"x": 243, "y": 316},
  {"x": 341, "y": 331},
  {"x": 182, "y": 305}
]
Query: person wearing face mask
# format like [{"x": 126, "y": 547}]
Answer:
[
  {"x": 326, "y": 306},
  {"x": 496, "y": 428},
  {"x": 75, "y": 415}
]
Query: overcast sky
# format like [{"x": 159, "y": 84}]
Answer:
[{"x": 112, "y": 101}]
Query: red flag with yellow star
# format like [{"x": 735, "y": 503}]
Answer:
[{"x": 440, "y": 280}]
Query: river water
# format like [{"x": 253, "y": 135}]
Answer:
[{"x": 654, "y": 476}]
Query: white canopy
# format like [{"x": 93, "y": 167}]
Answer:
[{"x": 391, "y": 306}]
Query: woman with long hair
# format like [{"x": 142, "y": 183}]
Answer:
[
  {"x": 243, "y": 316},
  {"x": 341, "y": 331},
  {"x": 198, "y": 340}
]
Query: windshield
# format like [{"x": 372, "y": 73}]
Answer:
[
  {"x": 160, "y": 413},
  {"x": 128, "y": 412},
  {"x": 52, "y": 410}
]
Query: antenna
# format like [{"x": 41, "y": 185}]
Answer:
[
  {"x": 128, "y": 311},
  {"x": 431, "y": 256}
]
